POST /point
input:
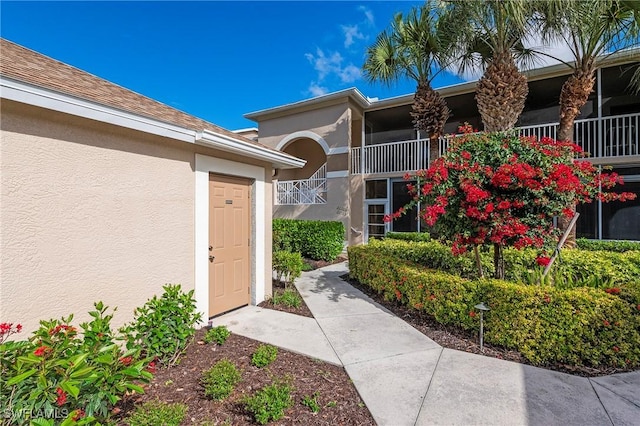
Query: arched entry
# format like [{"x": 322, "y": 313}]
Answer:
[{"x": 307, "y": 185}]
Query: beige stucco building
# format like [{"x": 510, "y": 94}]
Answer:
[
  {"x": 358, "y": 149},
  {"x": 108, "y": 195}
]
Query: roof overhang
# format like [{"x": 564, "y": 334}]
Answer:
[
  {"x": 29, "y": 94},
  {"x": 352, "y": 94}
]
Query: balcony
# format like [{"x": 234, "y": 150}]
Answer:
[{"x": 601, "y": 138}]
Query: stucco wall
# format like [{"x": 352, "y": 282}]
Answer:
[
  {"x": 331, "y": 123},
  {"x": 92, "y": 212}
]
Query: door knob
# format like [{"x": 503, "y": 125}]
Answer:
[{"x": 210, "y": 248}]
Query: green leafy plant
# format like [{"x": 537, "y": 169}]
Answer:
[
  {"x": 264, "y": 355},
  {"x": 409, "y": 236},
  {"x": 311, "y": 401},
  {"x": 606, "y": 245},
  {"x": 269, "y": 403},
  {"x": 164, "y": 325},
  {"x": 219, "y": 380},
  {"x": 83, "y": 375},
  {"x": 287, "y": 297},
  {"x": 313, "y": 239},
  {"x": 287, "y": 265},
  {"x": 218, "y": 334},
  {"x": 154, "y": 413}
]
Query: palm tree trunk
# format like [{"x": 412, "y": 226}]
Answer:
[
  {"x": 574, "y": 95},
  {"x": 429, "y": 111},
  {"x": 501, "y": 93}
]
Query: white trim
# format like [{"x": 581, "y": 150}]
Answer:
[
  {"x": 338, "y": 174},
  {"x": 204, "y": 165},
  {"x": 339, "y": 150},
  {"x": 304, "y": 134},
  {"x": 226, "y": 143},
  {"x": 44, "y": 98}
]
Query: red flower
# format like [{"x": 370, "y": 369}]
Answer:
[
  {"x": 19, "y": 328},
  {"x": 616, "y": 349},
  {"x": 543, "y": 260},
  {"x": 151, "y": 368},
  {"x": 126, "y": 360},
  {"x": 40, "y": 351},
  {"x": 472, "y": 314},
  {"x": 612, "y": 290},
  {"x": 62, "y": 397},
  {"x": 504, "y": 205},
  {"x": 78, "y": 415},
  {"x": 606, "y": 323}
]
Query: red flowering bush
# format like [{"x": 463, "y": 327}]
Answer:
[
  {"x": 503, "y": 189},
  {"x": 79, "y": 376}
]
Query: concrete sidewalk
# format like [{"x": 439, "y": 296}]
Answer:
[{"x": 405, "y": 378}]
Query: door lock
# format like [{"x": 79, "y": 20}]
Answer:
[
  {"x": 211, "y": 258},
  {"x": 210, "y": 248}
]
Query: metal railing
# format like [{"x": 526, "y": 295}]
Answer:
[
  {"x": 606, "y": 137},
  {"x": 303, "y": 191}
]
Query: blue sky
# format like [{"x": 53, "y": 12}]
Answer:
[{"x": 216, "y": 60}]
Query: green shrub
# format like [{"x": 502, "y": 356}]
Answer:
[
  {"x": 288, "y": 265},
  {"x": 154, "y": 413},
  {"x": 286, "y": 297},
  {"x": 580, "y": 326},
  {"x": 264, "y": 355},
  {"x": 607, "y": 245},
  {"x": 59, "y": 369},
  {"x": 409, "y": 236},
  {"x": 269, "y": 403},
  {"x": 314, "y": 239},
  {"x": 573, "y": 268},
  {"x": 219, "y": 380},
  {"x": 164, "y": 326},
  {"x": 311, "y": 402},
  {"x": 218, "y": 334}
]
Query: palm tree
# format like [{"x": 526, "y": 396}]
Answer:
[
  {"x": 490, "y": 34},
  {"x": 411, "y": 48},
  {"x": 592, "y": 30}
]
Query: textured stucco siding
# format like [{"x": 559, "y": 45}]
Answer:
[{"x": 91, "y": 212}]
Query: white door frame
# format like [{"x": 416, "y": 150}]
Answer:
[{"x": 205, "y": 165}]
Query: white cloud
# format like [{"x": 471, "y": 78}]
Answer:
[
  {"x": 351, "y": 34},
  {"x": 316, "y": 90},
  {"x": 324, "y": 64},
  {"x": 350, "y": 73},
  {"x": 368, "y": 15}
]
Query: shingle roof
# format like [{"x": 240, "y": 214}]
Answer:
[{"x": 28, "y": 66}]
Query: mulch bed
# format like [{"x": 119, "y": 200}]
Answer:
[
  {"x": 340, "y": 402},
  {"x": 462, "y": 340}
]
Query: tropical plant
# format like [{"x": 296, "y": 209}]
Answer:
[
  {"x": 411, "y": 48},
  {"x": 592, "y": 30},
  {"x": 164, "y": 325},
  {"x": 491, "y": 35},
  {"x": 501, "y": 189}
]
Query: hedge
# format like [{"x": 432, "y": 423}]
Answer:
[
  {"x": 409, "y": 236},
  {"x": 582, "y": 326},
  {"x": 617, "y": 246},
  {"x": 600, "y": 269},
  {"x": 313, "y": 239}
]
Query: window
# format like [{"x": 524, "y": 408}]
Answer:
[{"x": 376, "y": 189}]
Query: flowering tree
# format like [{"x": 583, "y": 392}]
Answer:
[{"x": 503, "y": 189}]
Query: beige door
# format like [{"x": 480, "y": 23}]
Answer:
[{"x": 229, "y": 258}]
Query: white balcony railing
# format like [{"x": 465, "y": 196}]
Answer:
[
  {"x": 606, "y": 137},
  {"x": 303, "y": 191}
]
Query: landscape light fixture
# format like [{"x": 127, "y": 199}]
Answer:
[{"x": 482, "y": 308}]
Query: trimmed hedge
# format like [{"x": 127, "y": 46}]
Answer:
[
  {"x": 617, "y": 246},
  {"x": 600, "y": 269},
  {"x": 409, "y": 236},
  {"x": 581, "y": 326},
  {"x": 314, "y": 239}
]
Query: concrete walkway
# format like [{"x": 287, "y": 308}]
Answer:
[{"x": 405, "y": 378}]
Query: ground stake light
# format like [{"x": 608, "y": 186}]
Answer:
[{"x": 482, "y": 308}]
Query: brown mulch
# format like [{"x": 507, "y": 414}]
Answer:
[
  {"x": 462, "y": 340},
  {"x": 340, "y": 402}
]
